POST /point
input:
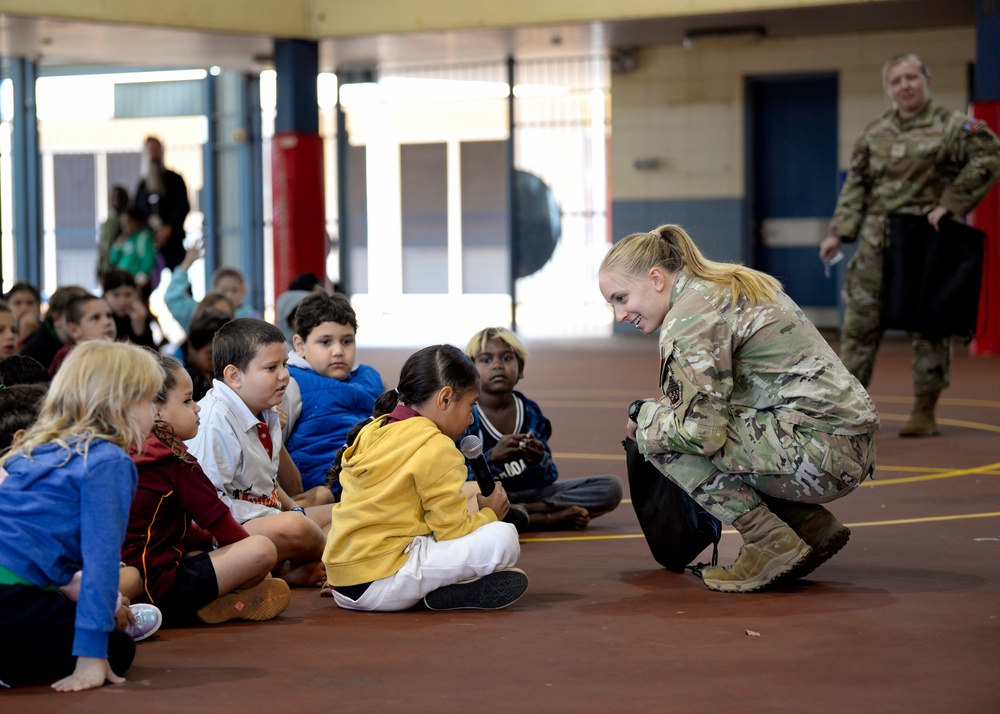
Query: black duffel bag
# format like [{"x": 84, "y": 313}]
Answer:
[
  {"x": 676, "y": 528},
  {"x": 931, "y": 279}
]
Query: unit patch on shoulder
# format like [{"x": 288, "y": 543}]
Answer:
[
  {"x": 674, "y": 391},
  {"x": 973, "y": 125}
]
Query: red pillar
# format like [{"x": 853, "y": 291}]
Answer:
[
  {"x": 299, "y": 230},
  {"x": 986, "y": 218}
]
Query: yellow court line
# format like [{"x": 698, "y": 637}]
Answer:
[
  {"x": 551, "y": 396},
  {"x": 916, "y": 469},
  {"x": 969, "y": 424},
  {"x": 931, "y": 477},
  {"x": 927, "y": 519},
  {"x": 936, "y": 472},
  {"x": 988, "y": 403},
  {"x": 594, "y": 457},
  {"x": 576, "y": 404},
  {"x": 628, "y": 394},
  {"x": 546, "y": 394},
  {"x": 730, "y": 531}
]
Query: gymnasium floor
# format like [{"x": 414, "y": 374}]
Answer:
[{"x": 905, "y": 619}]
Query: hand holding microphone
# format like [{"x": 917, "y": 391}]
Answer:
[{"x": 472, "y": 448}]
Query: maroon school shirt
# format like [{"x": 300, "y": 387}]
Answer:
[{"x": 172, "y": 493}]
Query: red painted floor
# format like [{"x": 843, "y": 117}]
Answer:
[{"x": 905, "y": 619}]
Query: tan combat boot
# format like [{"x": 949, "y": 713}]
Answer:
[
  {"x": 921, "y": 421},
  {"x": 819, "y": 528},
  {"x": 770, "y": 549}
]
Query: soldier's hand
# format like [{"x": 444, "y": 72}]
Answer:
[
  {"x": 935, "y": 216},
  {"x": 829, "y": 247}
]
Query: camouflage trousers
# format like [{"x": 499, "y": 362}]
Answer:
[
  {"x": 787, "y": 461},
  {"x": 862, "y": 330}
]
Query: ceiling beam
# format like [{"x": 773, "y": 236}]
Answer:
[{"x": 321, "y": 19}]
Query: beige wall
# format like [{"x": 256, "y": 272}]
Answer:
[{"x": 685, "y": 107}]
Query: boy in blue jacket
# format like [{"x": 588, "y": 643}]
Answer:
[
  {"x": 328, "y": 393},
  {"x": 515, "y": 436}
]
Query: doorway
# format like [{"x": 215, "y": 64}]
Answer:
[{"x": 792, "y": 185}]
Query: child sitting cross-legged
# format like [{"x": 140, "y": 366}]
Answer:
[
  {"x": 230, "y": 578},
  {"x": 239, "y": 443},
  {"x": 20, "y": 405},
  {"x": 328, "y": 393},
  {"x": 515, "y": 436},
  {"x": 63, "y": 507},
  {"x": 402, "y": 531}
]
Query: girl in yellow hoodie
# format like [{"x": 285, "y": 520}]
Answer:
[{"x": 402, "y": 531}]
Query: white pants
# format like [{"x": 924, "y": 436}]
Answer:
[{"x": 432, "y": 565}]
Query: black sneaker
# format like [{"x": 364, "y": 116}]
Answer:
[
  {"x": 490, "y": 592},
  {"x": 518, "y": 516}
]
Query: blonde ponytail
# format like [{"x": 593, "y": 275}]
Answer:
[{"x": 671, "y": 249}]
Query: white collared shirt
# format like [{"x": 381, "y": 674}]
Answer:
[{"x": 230, "y": 452}]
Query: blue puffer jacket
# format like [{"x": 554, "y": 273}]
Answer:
[{"x": 329, "y": 409}]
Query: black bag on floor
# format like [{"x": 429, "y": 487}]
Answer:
[
  {"x": 931, "y": 279},
  {"x": 676, "y": 528}
]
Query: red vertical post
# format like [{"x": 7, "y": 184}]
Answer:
[
  {"x": 299, "y": 214},
  {"x": 986, "y": 217}
]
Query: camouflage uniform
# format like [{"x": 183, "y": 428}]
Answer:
[
  {"x": 905, "y": 166},
  {"x": 754, "y": 400}
]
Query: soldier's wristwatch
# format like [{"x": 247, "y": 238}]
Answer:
[{"x": 633, "y": 409}]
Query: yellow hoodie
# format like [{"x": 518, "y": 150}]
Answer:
[{"x": 400, "y": 480}]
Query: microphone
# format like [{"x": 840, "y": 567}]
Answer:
[{"x": 472, "y": 448}]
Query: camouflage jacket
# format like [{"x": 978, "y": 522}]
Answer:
[
  {"x": 910, "y": 166},
  {"x": 722, "y": 364}
]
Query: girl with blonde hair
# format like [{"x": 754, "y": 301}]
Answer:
[
  {"x": 759, "y": 421},
  {"x": 65, "y": 502}
]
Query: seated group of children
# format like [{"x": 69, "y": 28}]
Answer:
[{"x": 219, "y": 504}]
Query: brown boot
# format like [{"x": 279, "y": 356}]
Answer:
[
  {"x": 770, "y": 549},
  {"x": 819, "y": 528},
  {"x": 921, "y": 421}
]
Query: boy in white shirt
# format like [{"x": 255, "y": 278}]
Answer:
[{"x": 239, "y": 442}]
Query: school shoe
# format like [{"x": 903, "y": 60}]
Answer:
[
  {"x": 490, "y": 592},
  {"x": 770, "y": 549},
  {"x": 517, "y": 515},
  {"x": 263, "y": 601},
  {"x": 148, "y": 619},
  {"x": 819, "y": 528}
]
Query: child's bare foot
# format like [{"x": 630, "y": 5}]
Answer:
[
  {"x": 574, "y": 517},
  {"x": 304, "y": 575}
]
